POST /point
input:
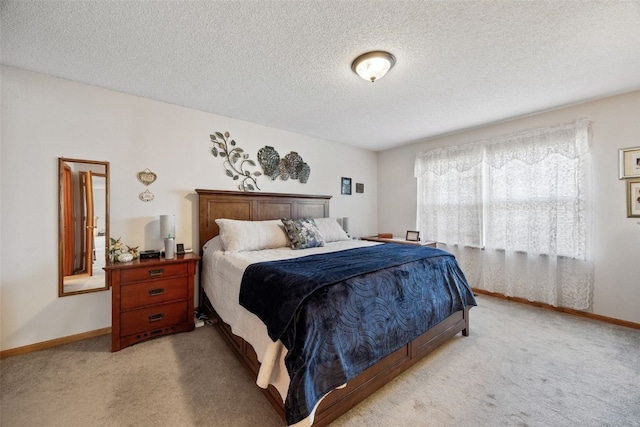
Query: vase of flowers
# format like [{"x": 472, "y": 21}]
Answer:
[{"x": 115, "y": 248}]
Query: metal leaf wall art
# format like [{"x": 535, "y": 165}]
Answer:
[
  {"x": 269, "y": 159},
  {"x": 235, "y": 162},
  {"x": 291, "y": 166}
]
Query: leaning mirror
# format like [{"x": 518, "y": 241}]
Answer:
[{"x": 83, "y": 225}]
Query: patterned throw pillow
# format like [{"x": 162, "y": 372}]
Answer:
[{"x": 303, "y": 233}]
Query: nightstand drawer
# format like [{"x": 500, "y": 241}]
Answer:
[
  {"x": 150, "y": 318},
  {"x": 153, "y": 272},
  {"x": 153, "y": 292}
]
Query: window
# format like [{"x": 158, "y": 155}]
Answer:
[{"x": 517, "y": 198}]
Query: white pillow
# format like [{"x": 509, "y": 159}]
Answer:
[
  {"x": 239, "y": 236},
  {"x": 330, "y": 229},
  {"x": 214, "y": 244}
]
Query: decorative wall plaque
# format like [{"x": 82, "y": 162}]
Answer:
[
  {"x": 146, "y": 196},
  {"x": 147, "y": 177}
]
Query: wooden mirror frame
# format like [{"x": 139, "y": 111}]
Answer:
[{"x": 66, "y": 241}]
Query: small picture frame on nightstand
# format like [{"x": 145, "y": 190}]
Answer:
[{"x": 413, "y": 236}]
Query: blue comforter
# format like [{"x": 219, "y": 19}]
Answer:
[{"x": 340, "y": 313}]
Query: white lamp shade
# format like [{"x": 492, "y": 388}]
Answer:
[
  {"x": 167, "y": 226},
  {"x": 345, "y": 224}
]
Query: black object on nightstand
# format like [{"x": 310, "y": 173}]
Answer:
[{"x": 149, "y": 254}]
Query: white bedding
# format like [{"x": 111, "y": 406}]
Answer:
[{"x": 221, "y": 278}]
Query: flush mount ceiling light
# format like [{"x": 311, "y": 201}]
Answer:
[{"x": 373, "y": 65}]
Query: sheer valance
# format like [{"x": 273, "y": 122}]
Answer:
[{"x": 529, "y": 146}]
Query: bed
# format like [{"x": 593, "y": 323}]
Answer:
[{"x": 252, "y": 334}]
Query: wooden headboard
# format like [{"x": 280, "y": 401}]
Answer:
[{"x": 247, "y": 206}]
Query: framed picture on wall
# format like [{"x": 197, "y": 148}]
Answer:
[
  {"x": 629, "y": 163},
  {"x": 633, "y": 198},
  {"x": 345, "y": 187}
]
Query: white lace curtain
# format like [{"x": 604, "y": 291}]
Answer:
[{"x": 514, "y": 211}]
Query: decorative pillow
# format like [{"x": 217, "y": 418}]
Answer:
[
  {"x": 331, "y": 230},
  {"x": 303, "y": 233},
  {"x": 239, "y": 236}
]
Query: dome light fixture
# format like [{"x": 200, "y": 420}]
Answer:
[{"x": 373, "y": 65}]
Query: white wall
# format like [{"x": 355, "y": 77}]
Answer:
[
  {"x": 44, "y": 118},
  {"x": 616, "y": 124}
]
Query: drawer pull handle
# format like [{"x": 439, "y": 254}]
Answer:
[
  {"x": 157, "y": 272},
  {"x": 156, "y": 317},
  {"x": 156, "y": 292}
]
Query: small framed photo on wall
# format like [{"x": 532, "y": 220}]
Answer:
[
  {"x": 633, "y": 198},
  {"x": 345, "y": 187},
  {"x": 630, "y": 163}
]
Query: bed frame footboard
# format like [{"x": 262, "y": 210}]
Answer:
[{"x": 366, "y": 383}]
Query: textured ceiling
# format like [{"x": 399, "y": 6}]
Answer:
[{"x": 287, "y": 64}]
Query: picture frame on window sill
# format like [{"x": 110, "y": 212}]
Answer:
[
  {"x": 345, "y": 186},
  {"x": 412, "y": 236},
  {"x": 633, "y": 198},
  {"x": 629, "y": 162}
]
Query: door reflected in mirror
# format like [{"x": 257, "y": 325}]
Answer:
[{"x": 83, "y": 223}]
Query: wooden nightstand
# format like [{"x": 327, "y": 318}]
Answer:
[
  {"x": 399, "y": 240},
  {"x": 150, "y": 298}
]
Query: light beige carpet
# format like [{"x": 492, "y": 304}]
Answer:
[{"x": 521, "y": 366}]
